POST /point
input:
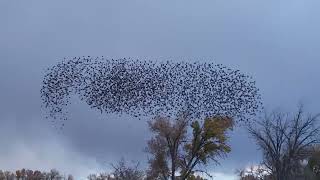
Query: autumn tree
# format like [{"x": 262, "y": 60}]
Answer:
[
  {"x": 284, "y": 140},
  {"x": 177, "y": 154}
]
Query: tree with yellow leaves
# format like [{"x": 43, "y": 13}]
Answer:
[{"x": 179, "y": 155}]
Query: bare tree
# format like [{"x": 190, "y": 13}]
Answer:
[
  {"x": 121, "y": 171},
  {"x": 284, "y": 140},
  {"x": 175, "y": 155}
]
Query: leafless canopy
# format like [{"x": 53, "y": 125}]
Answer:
[
  {"x": 285, "y": 141},
  {"x": 140, "y": 88},
  {"x": 122, "y": 171}
]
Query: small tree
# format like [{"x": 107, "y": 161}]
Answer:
[
  {"x": 284, "y": 141},
  {"x": 124, "y": 172},
  {"x": 121, "y": 171},
  {"x": 174, "y": 151}
]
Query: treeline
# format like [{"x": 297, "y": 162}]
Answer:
[
  {"x": 121, "y": 171},
  {"x": 26, "y": 174}
]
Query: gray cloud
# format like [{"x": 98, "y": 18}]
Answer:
[{"x": 275, "y": 42}]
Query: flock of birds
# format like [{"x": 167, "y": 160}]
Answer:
[{"x": 142, "y": 88}]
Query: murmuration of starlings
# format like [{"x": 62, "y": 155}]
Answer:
[{"x": 142, "y": 88}]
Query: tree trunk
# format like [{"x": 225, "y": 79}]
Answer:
[{"x": 173, "y": 169}]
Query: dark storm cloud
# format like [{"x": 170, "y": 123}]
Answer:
[{"x": 274, "y": 41}]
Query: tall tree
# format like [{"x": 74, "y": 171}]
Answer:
[
  {"x": 284, "y": 140},
  {"x": 176, "y": 155}
]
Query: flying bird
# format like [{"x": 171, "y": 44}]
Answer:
[{"x": 141, "y": 88}]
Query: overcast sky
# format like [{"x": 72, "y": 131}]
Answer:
[{"x": 275, "y": 41}]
